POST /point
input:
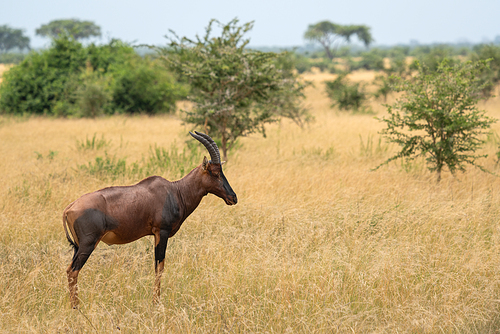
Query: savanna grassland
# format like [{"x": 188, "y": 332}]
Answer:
[{"x": 318, "y": 243}]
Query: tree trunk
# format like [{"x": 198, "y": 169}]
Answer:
[{"x": 329, "y": 53}]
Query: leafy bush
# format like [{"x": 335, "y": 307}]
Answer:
[
  {"x": 384, "y": 85},
  {"x": 235, "y": 91},
  {"x": 398, "y": 51},
  {"x": 297, "y": 61},
  {"x": 437, "y": 117},
  {"x": 346, "y": 95},
  {"x": 33, "y": 86},
  {"x": 143, "y": 86},
  {"x": 304, "y": 64},
  {"x": 385, "y": 82},
  {"x": 491, "y": 75},
  {"x": 69, "y": 79},
  {"x": 93, "y": 96},
  {"x": 431, "y": 58},
  {"x": 371, "y": 60}
]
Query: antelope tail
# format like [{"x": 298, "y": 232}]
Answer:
[{"x": 65, "y": 225}]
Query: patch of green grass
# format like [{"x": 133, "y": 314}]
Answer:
[
  {"x": 370, "y": 149},
  {"x": 177, "y": 162},
  {"x": 93, "y": 143},
  {"x": 173, "y": 162},
  {"x": 107, "y": 167},
  {"x": 50, "y": 156}
]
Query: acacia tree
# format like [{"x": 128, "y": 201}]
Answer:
[
  {"x": 331, "y": 35},
  {"x": 11, "y": 38},
  {"x": 437, "y": 117},
  {"x": 72, "y": 27},
  {"x": 234, "y": 91}
]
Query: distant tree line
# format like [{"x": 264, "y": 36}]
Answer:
[
  {"x": 13, "y": 39},
  {"x": 234, "y": 91},
  {"x": 69, "y": 79},
  {"x": 72, "y": 27}
]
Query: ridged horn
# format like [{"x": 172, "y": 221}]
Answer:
[{"x": 209, "y": 144}]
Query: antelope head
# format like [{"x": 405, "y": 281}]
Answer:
[{"x": 213, "y": 179}]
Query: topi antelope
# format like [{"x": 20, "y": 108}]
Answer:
[{"x": 154, "y": 206}]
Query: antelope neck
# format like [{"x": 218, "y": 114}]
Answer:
[{"x": 190, "y": 191}]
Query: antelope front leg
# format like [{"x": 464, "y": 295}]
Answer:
[{"x": 161, "y": 239}]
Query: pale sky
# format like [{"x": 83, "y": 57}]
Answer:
[{"x": 277, "y": 22}]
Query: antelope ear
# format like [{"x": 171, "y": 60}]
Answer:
[
  {"x": 222, "y": 163},
  {"x": 205, "y": 163}
]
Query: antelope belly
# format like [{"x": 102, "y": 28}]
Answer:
[{"x": 110, "y": 238}]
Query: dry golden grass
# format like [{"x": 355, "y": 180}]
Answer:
[{"x": 317, "y": 243}]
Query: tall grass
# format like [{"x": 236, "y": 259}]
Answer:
[
  {"x": 317, "y": 242},
  {"x": 93, "y": 143}
]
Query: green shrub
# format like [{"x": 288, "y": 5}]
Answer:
[
  {"x": 384, "y": 85},
  {"x": 292, "y": 60},
  {"x": 93, "y": 96},
  {"x": 431, "y": 58},
  {"x": 69, "y": 79},
  {"x": 109, "y": 57},
  {"x": 322, "y": 65},
  {"x": 437, "y": 117},
  {"x": 143, "y": 86},
  {"x": 33, "y": 86},
  {"x": 346, "y": 95},
  {"x": 371, "y": 60},
  {"x": 492, "y": 74},
  {"x": 302, "y": 64}
]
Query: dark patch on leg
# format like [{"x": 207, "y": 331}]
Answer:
[
  {"x": 161, "y": 248},
  {"x": 89, "y": 228},
  {"x": 92, "y": 220},
  {"x": 160, "y": 251},
  {"x": 83, "y": 253},
  {"x": 170, "y": 213}
]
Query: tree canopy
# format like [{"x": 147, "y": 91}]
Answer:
[
  {"x": 72, "y": 27},
  {"x": 235, "y": 91},
  {"x": 331, "y": 35},
  {"x": 11, "y": 38}
]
